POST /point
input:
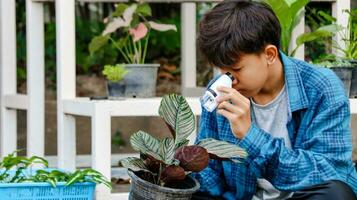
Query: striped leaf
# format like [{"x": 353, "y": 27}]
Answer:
[
  {"x": 145, "y": 143},
  {"x": 133, "y": 163},
  {"x": 167, "y": 150},
  {"x": 178, "y": 114},
  {"x": 223, "y": 150},
  {"x": 184, "y": 142}
]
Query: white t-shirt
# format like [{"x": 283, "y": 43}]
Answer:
[{"x": 272, "y": 118}]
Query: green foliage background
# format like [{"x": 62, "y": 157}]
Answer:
[{"x": 89, "y": 23}]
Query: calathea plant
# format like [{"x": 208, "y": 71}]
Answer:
[{"x": 169, "y": 160}]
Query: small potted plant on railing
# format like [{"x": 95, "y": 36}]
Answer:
[
  {"x": 31, "y": 179},
  {"x": 128, "y": 31},
  {"x": 163, "y": 165},
  {"x": 115, "y": 75}
]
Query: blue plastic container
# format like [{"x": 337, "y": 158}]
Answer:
[{"x": 45, "y": 191}]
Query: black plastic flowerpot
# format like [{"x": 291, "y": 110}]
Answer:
[
  {"x": 144, "y": 190},
  {"x": 353, "y": 90},
  {"x": 345, "y": 74},
  {"x": 116, "y": 89}
]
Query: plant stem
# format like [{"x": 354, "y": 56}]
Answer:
[
  {"x": 139, "y": 53},
  {"x": 159, "y": 175},
  {"x": 136, "y": 52},
  {"x": 146, "y": 45},
  {"x": 130, "y": 48},
  {"x": 121, "y": 51},
  {"x": 128, "y": 52}
]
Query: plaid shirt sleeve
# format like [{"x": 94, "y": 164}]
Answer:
[
  {"x": 211, "y": 178},
  {"x": 322, "y": 149}
]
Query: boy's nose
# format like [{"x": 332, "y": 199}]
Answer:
[{"x": 235, "y": 81}]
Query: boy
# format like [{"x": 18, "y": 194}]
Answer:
[{"x": 292, "y": 118}]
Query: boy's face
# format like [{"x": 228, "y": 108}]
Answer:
[{"x": 250, "y": 73}]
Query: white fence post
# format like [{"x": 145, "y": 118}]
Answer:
[
  {"x": 8, "y": 136},
  {"x": 35, "y": 79},
  {"x": 299, "y": 29},
  {"x": 101, "y": 147},
  {"x": 66, "y": 70},
  {"x": 338, "y": 8},
  {"x": 188, "y": 46}
]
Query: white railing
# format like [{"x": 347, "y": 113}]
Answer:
[{"x": 68, "y": 105}]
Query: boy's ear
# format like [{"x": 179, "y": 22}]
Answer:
[{"x": 271, "y": 53}]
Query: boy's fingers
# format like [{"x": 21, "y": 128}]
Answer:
[
  {"x": 226, "y": 114},
  {"x": 231, "y": 94},
  {"x": 227, "y": 106}
]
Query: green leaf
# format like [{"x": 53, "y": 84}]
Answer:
[
  {"x": 144, "y": 9},
  {"x": 326, "y": 16},
  {"x": 308, "y": 37},
  {"x": 119, "y": 10},
  {"x": 135, "y": 21},
  {"x": 167, "y": 150},
  {"x": 223, "y": 149},
  {"x": 115, "y": 73},
  {"x": 91, "y": 172},
  {"x": 322, "y": 32},
  {"x": 133, "y": 163},
  {"x": 103, "y": 181},
  {"x": 75, "y": 177},
  {"x": 122, "y": 42},
  {"x": 52, "y": 181},
  {"x": 38, "y": 160},
  {"x": 182, "y": 143},
  {"x": 332, "y": 28},
  {"x": 289, "y": 14},
  {"x": 145, "y": 143},
  {"x": 176, "y": 112},
  {"x": 97, "y": 43}
]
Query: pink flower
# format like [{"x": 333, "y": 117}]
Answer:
[{"x": 139, "y": 32}]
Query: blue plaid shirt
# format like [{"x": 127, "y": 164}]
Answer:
[{"x": 319, "y": 130}]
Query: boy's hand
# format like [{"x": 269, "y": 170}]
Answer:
[{"x": 236, "y": 108}]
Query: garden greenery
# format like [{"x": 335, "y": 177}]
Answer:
[
  {"x": 128, "y": 30},
  {"x": 289, "y": 13},
  {"x": 115, "y": 73},
  {"x": 19, "y": 169}
]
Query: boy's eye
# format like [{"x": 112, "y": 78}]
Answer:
[{"x": 237, "y": 69}]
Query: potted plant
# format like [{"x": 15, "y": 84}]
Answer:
[
  {"x": 31, "y": 179},
  {"x": 128, "y": 31},
  {"x": 351, "y": 50},
  {"x": 163, "y": 166},
  {"x": 344, "y": 66},
  {"x": 343, "y": 69},
  {"x": 115, "y": 75}
]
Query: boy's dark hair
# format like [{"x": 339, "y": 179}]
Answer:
[{"x": 235, "y": 27}]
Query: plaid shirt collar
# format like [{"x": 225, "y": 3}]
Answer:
[{"x": 297, "y": 96}]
